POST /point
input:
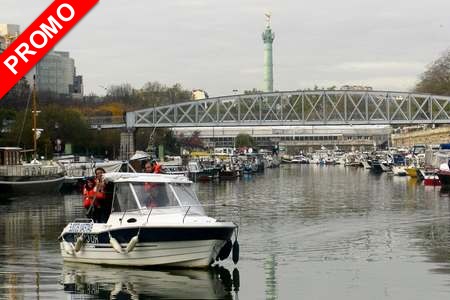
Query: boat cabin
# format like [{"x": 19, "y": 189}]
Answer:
[
  {"x": 142, "y": 192},
  {"x": 10, "y": 156}
]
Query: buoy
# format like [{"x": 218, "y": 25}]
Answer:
[
  {"x": 225, "y": 251},
  {"x": 132, "y": 243},
  {"x": 79, "y": 243},
  {"x": 235, "y": 252},
  {"x": 115, "y": 244},
  {"x": 68, "y": 247}
]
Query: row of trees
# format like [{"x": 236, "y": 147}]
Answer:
[
  {"x": 151, "y": 94},
  {"x": 66, "y": 119}
]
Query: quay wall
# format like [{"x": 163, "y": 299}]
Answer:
[{"x": 428, "y": 136}]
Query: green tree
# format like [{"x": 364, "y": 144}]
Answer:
[{"x": 244, "y": 140}]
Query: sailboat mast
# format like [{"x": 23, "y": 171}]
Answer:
[{"x": 34, "y": 113}]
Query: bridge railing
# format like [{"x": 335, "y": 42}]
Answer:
[
  {"x": 297, "y": 108},
  {"x": 106, "y": 121}
]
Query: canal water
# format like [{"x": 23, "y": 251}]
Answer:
[{"x": 306, "y": 232}]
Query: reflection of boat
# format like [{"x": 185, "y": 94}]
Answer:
[
  {"x": 126, "y": 283},
  {"x": 411, "y": 171},
  {"x": 155, "y": 220}
]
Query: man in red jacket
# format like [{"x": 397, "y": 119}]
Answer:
[{"x": 156, "y": 167}]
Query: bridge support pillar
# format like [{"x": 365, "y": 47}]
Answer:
[{"x": 127, "y": 144}]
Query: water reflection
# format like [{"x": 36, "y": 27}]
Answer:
[
  {"x": 124, "y": 283},
  {"x": 300, "y": 227}
]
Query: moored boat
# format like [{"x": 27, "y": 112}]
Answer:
[
  {"x": 399, "y": 170},
  {"x": 155, "y": 220},
  {"x": 429, "y": 176},
  {"x": 37, "y": 177},
  {"x": 444, "y": 177}
]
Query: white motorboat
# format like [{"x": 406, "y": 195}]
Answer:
[
  {"x": 78, "y": 168},
  {"x": 399, "y": 171},
  {"x": 366, "y": 164},
  {"x": 156, "y": 219}
]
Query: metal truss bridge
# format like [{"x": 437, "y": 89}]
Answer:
[{"x": 292, "y": 108}]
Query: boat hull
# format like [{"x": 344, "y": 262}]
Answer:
[
  {"x": 444, "y": 177},
  {"x": 189, "y": 254},
  {"x": 194, "y": 247},
  {"x": 31, "y": 185}
]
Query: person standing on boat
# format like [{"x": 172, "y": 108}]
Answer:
[
  {"x": 92, "y": 200},
  {"x": 148, "y": 168},
  {"x": 102, "y": 203},
  {"x": 88, "y": 193},
  {"x": 156, "y": 167},
  {"x": 152, "y": 167}
]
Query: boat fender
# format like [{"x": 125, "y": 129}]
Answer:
[
  {"x": 79, "y": 243},
  {"x": 225, "y": 251},
  {"x": 131, "y": 244},
  {"x": 115, "y": 244},
  {"x": 235, "y": 251},
  {"x": 68, "y": 247},
  {"x": 225, "y": 277}
]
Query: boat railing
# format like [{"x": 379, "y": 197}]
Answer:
[
  {"x": 29, "y": 170},
  {"x": 187, "y": 210}
]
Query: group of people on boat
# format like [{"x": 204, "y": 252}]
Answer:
[{"x": 97, "y": 197}]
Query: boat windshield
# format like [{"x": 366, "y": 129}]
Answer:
[
  {"x": 123, "y": 198},
  {"x": 159, "y": 195}
]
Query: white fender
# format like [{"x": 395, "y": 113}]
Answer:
[
  {"x": 79, "y": 243},
  {"x": 68, "y": 247},
  {"x": 115, "y": 244},
  {"x": 132, "y": 243}
]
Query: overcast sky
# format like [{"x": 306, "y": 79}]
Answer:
[{"x": 217, "y": 45}]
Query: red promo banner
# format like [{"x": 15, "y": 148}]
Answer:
[{"x": 38, "y": 39}]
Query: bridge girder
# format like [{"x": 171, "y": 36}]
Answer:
[{"x": 299, "y": 108}]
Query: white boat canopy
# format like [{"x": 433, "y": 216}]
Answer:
[{"x": 118, "y": 177}]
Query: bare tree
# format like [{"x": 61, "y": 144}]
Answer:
[{"x": 436, "y": 79}]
